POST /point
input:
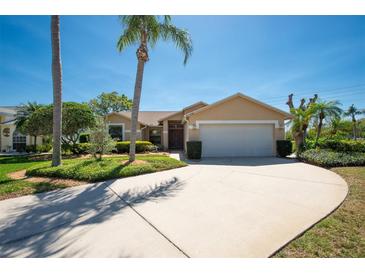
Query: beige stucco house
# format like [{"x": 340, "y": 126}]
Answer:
[
  {"x": 10, "y": 139},
  {"x": 234, "y": 126}
]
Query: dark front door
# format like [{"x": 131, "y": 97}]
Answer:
[{"x": 176, "y": 135}]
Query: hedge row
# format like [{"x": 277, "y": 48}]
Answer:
[
  {"x": 339, "y": 145},
  {"x": 39, "y": 148},
  {"x": 141, "y": 146},
  {"x": 330, "y": 158}
]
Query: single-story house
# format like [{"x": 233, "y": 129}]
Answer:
[
  {"x": 234, "y": 126},
  {"x": 11, "y": 139}
]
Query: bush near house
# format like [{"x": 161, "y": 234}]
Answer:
[
  {"x": 194, "y": 149},
  {"x": 330, "y": 158},
  {"x": 39, "y": 148},
  {"x": 284, "y": 147},
  {"x": 92, "y": 170},
  {"x": 141, "y": 146},
  {"x": 84, "y": 138}
]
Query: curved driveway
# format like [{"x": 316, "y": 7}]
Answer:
[{"x": 214, "y": 208}]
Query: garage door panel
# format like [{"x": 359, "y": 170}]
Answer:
[{"x": 220, "y": 140}]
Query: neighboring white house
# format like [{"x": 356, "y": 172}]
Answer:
[{"x": 11, "y": 139}]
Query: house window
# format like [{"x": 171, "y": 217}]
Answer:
[
  {"x": 155, "y": 136},
  {"x": 19, "y": 141},
  {"x": 116, "y": 132}
]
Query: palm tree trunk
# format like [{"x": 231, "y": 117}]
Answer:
[
  {"x": 299, "y": 142},
  {"x": 57, "y": 90},
  {"x": 319, "y": 129},
  {"x": 354, "y": 130},
  {"x": 135, "y": 110},
  {"x": 35, "y": 143}
]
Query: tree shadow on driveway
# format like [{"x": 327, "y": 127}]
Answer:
[{"x": 33, "y": 223}]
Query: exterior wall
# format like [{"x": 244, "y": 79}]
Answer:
[
  {"x": 6, "y": 143},
  {"x": 237, "y": 109},
  {"x": 119, "y": 119}
]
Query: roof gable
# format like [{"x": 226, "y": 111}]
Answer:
[
  {"x": 186, "y": 110},
  {"x": 245, "y": 97}
]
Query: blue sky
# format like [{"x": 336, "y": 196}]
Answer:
[{"x": 265, "y": 57}]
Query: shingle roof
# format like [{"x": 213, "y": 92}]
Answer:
[
  {"x": 150, "y": 118},
  {"x": 8, "y": 111}
]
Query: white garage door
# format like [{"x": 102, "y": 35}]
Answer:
[{"x": 223, "y": 140}]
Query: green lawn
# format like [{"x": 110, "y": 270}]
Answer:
[
  {"x": 108, "y": 168},
  {"x": 342, "y": 234},
  {"x": 12, "y": 188},
  {"x": 79, "y": 169}
]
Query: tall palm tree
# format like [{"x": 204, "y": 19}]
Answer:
[
  {"x": 326, "y": 110},
  {"x": 23, "y": 113},
  {"x": 353, "y": 112},
  {"x": 146, "y": 30},
  {"x": 57, "y": 89}
]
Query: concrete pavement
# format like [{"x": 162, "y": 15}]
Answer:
[{"x": 247, "y": 207}]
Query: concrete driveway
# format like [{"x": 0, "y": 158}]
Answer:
[{"x": 214, "y": 208}]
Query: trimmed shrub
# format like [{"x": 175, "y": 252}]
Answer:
[
  {"x": 30, "y": 148},
  {"x": 81, "y": 148},
  {"x": 343, "y": 145},
  {"x": 39, "y": 148},
  {"x": 329, "y": 158},
  {"x": 141, "y": 146},
  {"x": 339, "y": 145},
  {"x": 284, "y": 147},
  {"x": 194, "y": 149},
  {"x": 84, "y": 138}
]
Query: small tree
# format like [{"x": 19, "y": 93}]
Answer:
[
  {"x": 76, "y": 118},
  {"x": 38, "y": 123},
  {"x": 100, "y": 140},
  {"x": 108, "y": 102},
  {"x": 302, "y": 116}
]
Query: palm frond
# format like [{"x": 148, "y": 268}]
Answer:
[
  {"x": 129, "y": 37},
  {"x": 180, "y": 37}
]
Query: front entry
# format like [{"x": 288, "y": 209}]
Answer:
[{"x": 176, "y": 135}]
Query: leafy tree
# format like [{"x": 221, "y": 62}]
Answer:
[
  {"x": 302, "y": 116},
  {"x": 100, "y": 140},
  {"x": 24, "y": 111},
  {"x": 353, "y": 112},
  {"x": 57, "y": 89},
  {"x": 146, "y": 31},
  {"x": 325, "y": 110},
  {"x": 76, "y": 118},
  {"x": 106, "y": 103}
]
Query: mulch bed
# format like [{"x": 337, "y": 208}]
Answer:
[{"x": 20, "y": 175}]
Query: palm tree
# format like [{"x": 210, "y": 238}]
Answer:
[
  {"x": 146, "y": 31},
  {"x": 22, "y": 115},
  {"x": 57, "y": 90},
  {"x": 353, "y": 112},
  {"x": 301, "y": 117},
  {"x": 334, "y": 125},
  {"x": 325, "y": 110}
]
